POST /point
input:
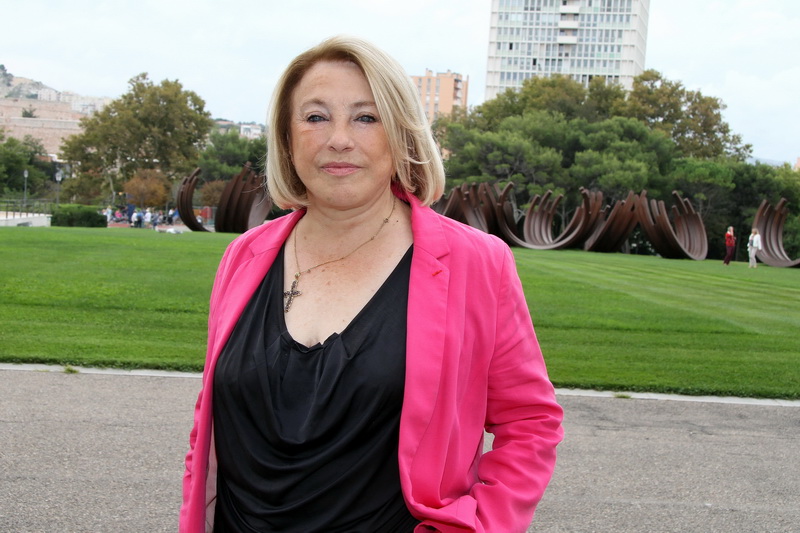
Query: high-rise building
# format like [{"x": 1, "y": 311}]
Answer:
[
  {"x": 577, "y": 38},
  {"x": 441, "y": 92}
]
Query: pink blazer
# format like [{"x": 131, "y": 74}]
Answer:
[{"x": 472, "y": 363}]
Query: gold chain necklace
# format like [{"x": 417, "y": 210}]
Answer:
[{"x": 293, "y": 293}]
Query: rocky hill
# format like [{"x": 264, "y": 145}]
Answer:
[
  {"x": 29, "y": 107},
  {"x": 15, "y": 87}
]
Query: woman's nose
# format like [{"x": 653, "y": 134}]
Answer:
[{"x": 341, "y": 138}]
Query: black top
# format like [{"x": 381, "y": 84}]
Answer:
[{"x": 307, "y": 437}]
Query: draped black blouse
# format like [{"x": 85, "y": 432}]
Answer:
[{"x": 306, "y": 437}]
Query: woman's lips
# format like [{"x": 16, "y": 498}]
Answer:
[{"x": 340, "y": 169}]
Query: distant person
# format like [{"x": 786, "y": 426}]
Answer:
[
  {"x": 148, "y": 217},
  {"x": 155, "y": 220},
  {"x": 360, "y": 346},
  {"x": 753, "y": 247},
  {"x": 730, "y": 245}
]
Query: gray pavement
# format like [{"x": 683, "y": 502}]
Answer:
[{"x": 103, "y": 452}]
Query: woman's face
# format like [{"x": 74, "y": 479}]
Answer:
[{"x": 338, "y": 143}]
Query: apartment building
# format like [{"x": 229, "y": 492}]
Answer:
[
  {"x": 441, "y": 92},
  {"x": 577, "y": 38}
]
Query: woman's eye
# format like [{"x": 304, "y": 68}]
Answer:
[
  {"x": 367, "y": 118},
  {"x": 315, "y": 118}
]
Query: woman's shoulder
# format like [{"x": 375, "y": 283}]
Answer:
[
  {"x": 472, "y": 244},
  {"x": 270, "y": 233}
]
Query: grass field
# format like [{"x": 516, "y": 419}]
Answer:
[{"x": 138, "y": 299}]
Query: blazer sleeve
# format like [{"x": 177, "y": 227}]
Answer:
[
  {"x": 192, "y": 511},
  {"x": 522, "y": 414}
]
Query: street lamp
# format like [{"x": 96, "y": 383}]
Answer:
[
  {"x": 59, "y": 177},
  {"x": 25, "y": 190}
]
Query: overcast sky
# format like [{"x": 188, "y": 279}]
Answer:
[{"x": 231, "y": 53}]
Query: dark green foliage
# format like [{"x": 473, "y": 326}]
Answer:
[
  {"x": 553, "y": 134},
  {"x": 17, "y": 156},
  {"x": 226, "y": 152},
  {"x": 81, "y": 216}
]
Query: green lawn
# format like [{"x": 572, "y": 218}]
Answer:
[
  {"x": 138, "y": 299},
  {"x": 642, "y": 323}
]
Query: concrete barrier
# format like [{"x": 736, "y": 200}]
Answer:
[{"x": 23, "y": 219}]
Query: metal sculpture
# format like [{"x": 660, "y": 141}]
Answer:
[
  {"x": 769, "y": 223},
  {"x": 183, "y": 201},
  {"x": 687, "y": 240},
  {"x": 466, "y": 204},
  {"x": 538, "y": 221},
  {"x": 244, "y": 203},
  {"x": 613, "y": 226},
  {"x": 485, "y": 207}
]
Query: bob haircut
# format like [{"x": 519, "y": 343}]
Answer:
[{"x": 417, "y": 162}]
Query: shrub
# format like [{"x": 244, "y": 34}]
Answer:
[{"x": 83, "y": 216}]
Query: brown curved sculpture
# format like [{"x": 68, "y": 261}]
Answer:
[
  {"x": 464, "y": 205},
  {"x": 613, "y": 226},
  {"x": 769, "y": 223},
  {"x": 687, "y": 240},
  {"x": 244, "y": 203},
  {"x": 183, "y": 201},
  {"x": 484, "y": 207},
  {"x": 538, "y": 220}
]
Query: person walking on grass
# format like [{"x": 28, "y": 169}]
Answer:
[
  {"x": 730, "y": 246},
  {"x": 753, "y": 247}
]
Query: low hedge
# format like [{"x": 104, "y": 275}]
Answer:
[{"x": 83, "y": 216}]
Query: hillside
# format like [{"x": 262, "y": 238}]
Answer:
[
  {"x": 16, "y": 87},
  {"x": 55, "y": 114}
]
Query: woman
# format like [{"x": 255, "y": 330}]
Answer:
[
  {"x": 359, "y": 346},
  {"x": 753, "y": 247},
  {"x": 730, "y": 246}
]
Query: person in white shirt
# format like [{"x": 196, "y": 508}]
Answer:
[{"x": 753, "y": 246}]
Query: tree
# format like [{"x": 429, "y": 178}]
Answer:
[
  {"x": 226, "y": 152},
  {"x": 211, "y": 192},
  {"x": 150, "y": 127},
  {"x": 604, "y": 100},
  {"x": 557, "y": 94},
  {"x": 5, "y": 77},
  {"x": 708, "y": 184},
  {"x": 692, "y": 120},
  {"x": 17, "y": 156},
  {"x": 147, "y": 188},
  {"x": 502, "y": 156},
  {"x": 619, "y": 155}
]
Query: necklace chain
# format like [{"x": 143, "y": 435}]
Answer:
[{"x": 292, "y": 293}]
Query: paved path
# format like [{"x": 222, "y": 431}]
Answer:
[{"x": 103, "y": 453}]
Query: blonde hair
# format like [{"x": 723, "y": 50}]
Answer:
[{"x": 417, "y": 162}]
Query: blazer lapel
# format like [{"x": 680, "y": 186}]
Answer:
[
  {"x": 425, "y": 339},
  {"x": 249, "y": 271}
]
